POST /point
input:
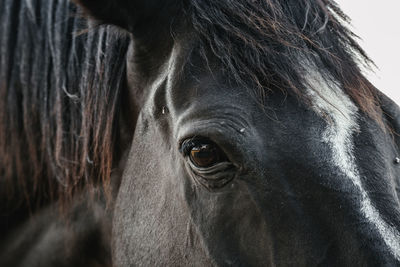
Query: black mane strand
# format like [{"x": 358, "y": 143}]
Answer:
[{"x": 59, "y": 93}]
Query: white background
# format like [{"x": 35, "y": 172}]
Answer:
[{"x": 377, "y": 22}]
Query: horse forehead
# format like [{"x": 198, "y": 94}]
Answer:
[{"x": 186, "y": 81}]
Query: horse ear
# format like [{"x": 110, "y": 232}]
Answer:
[
  {"x": 132, "y": 15},
  {"x": 105, "y": 11}
]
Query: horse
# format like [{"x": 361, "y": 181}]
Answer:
[{"x": 193, "y": 133}]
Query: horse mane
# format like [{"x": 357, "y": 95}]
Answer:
[
  {"x": 59, "y": 98},
  {"x": 272, "y": 45}
]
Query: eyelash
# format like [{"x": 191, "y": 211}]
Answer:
[{"x": 188, "y": 144}]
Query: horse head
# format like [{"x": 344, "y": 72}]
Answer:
[{"x": 257, "y": 140}]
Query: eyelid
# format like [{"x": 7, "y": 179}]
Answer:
[
  {"x": 187, "y": 144},
  {"x": 213, "y": 170},
  {"x": 228, "y": 138},
  {"x": 215, "y": 177}
]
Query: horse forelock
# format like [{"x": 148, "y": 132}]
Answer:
[
  {"x": 59, "y": 97},
  {"x": 263, "y": 44}
]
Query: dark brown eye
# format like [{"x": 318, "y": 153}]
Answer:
[{"x": 203, "y": 153}]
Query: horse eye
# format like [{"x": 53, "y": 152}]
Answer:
[{"x": 203, "y": 153}]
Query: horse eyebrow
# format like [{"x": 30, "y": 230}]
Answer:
[{"x": 263, "y": 45}]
